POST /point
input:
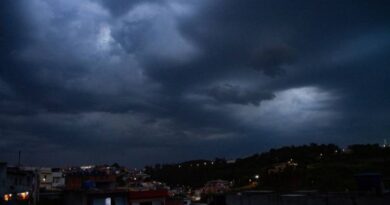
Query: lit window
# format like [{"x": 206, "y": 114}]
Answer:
[{"x": 107, "y": 201}]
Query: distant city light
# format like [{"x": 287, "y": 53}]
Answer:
[
  {"x": 196, "y": 198},
  {"x": 257, "y": 176},
  {"x": 87, "y": 167}
]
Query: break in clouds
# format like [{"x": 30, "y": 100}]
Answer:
[{"x": 138, "y": 82}]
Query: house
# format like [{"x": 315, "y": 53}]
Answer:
[
  {"x": 50, "y": 179},
  {"x": 280, "y": 167},
  {"x": 89, "y": 180},
  {"x": 58, "y": 179},
  {"x": 18, "y": 185},
  {"x": 45, "y": 178},
  {"x": 216, "y": 186}
]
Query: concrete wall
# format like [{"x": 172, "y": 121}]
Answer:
[
  {"x": 58, "y": 180},
  {"x": 45, "y": 178},
  {"x": 75, "y": 198},
  {"x": 157, "y": 201}
]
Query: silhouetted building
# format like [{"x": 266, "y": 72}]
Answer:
[
  {"x": 80, "y": 180},
  {"x": 18, "y": 185}
]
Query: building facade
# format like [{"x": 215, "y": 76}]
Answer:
[{"x": 18, "y": 186}]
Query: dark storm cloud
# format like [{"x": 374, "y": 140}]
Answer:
[
  {"x": 118, "y": 7},
  {"x": 299, "y": 38},
  {"x": 271, "y": 60},
  {"x": 233, "y": 94},
  {"x": 98, "y": 76}
]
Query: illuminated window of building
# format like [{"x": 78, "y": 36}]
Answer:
[{"x": 107, "y": 201}]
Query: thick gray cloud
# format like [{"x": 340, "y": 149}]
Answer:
[
  {"x": 118, "y": 7},
  {"x": 154, "y": 81},
  {"x": 233, "y": 94}
]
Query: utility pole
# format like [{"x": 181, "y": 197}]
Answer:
[{"x": 19, "y": 156}]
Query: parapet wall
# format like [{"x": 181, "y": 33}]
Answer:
[{"x": 273, "y": 199}]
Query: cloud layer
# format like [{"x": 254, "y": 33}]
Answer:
[{"x": 138, "y": 82}]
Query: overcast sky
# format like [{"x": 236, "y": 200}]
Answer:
[{"x": 141, "y": 82}]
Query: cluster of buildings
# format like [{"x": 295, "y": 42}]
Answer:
[
  {"x": 85, "y": 185},
  {"x": 29, "y": 180},
  {"x": 280, "y": 167},
  {"x": 216, "y": 187}
]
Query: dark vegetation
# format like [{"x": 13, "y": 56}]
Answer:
[{"x": 320, "y": 167}]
